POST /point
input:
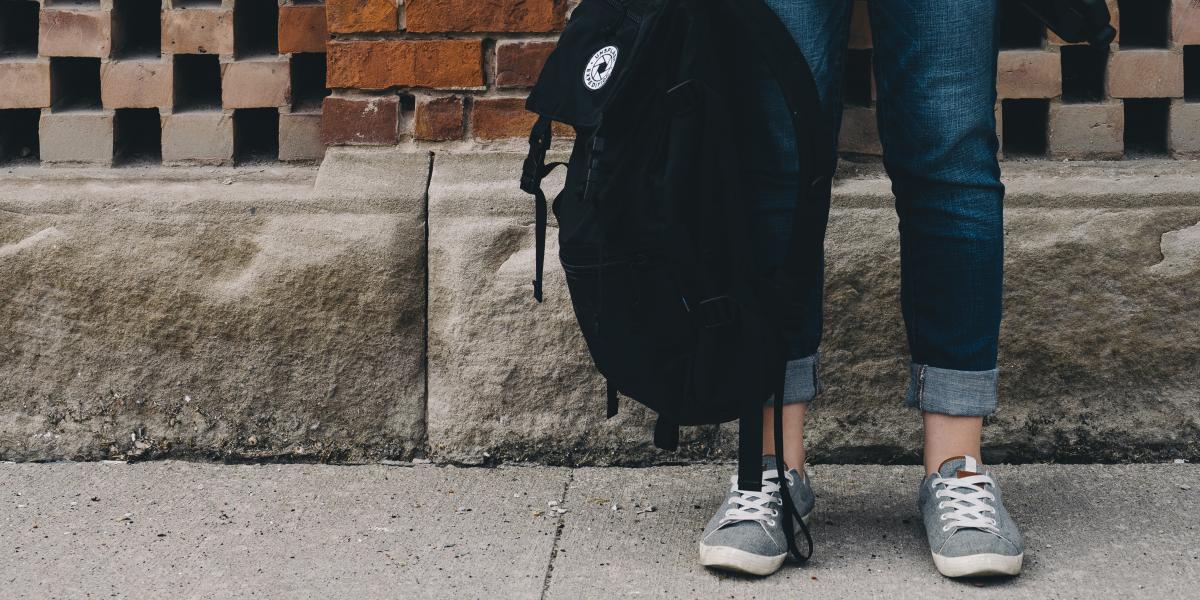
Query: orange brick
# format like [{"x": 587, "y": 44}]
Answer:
[
  {"x": 1029, "y": 74},
  {"x": 440, "y": 119},
  {"x": 1145, "y": 74},
  {"x": 436, "y": 16},
  {"x": 302, "y": 29},
  {"x": 357, "y": 16},
  {"x": 519, "y": 63},
  {"x": 1185, "y": 19},
  {"x": 497, "y": 118},
  {"x": 363, "y": 121},
  {"x": 256, "y": 83},
  {"x": 135, "y": 84},
  {"x": 75, "y": 33},
  {"x": 375, "y": 65},
  {"x": 198, "y": 31},
  {"x": 25, "y": 84}
]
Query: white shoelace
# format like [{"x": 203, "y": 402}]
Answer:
[
  {"x": 969, "y": 501},
  {"x": 755, "y": 506}
]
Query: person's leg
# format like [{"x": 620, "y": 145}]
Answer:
[
  {"x": 744, "y": 535},
  {"x": 821, "y": 29},
  {"x": 935, "y": 65}
]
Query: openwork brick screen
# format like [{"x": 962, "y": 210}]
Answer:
[
  {"x": 225, "y": 80},
  {"x": 177, "y": 81}
]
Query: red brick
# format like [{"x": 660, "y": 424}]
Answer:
[
  {"x": 440, "y": 119},
  {"x": 25, "y": 84},
  {"x": 356, "y": 16},
  {"x": 75, "y": 33},
  {"x": 376, "y": 65},
  {"x": 1185, "y": 18},
  {"x": 302, "y": 29},
  {"x": 256, "y": 83},
  {"x": 436, "y": 16},
  {"x": 198, "y": 31},
  {"x": 1029, "y": 74},
  {"x": 136, "y": 84},
  {"x": 519, "y": 63},
  {"x": 498, "y": 118},
  {"x": 366, "y": 121},
  {"x": 76, "y": 137},
  {"x": 1145, "y": 74}
]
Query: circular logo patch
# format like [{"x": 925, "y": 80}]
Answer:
[{"x": 600, "y": 68}]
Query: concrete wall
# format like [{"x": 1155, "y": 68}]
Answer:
[{"x": 384, "y": 311}]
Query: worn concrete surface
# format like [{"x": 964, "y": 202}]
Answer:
[
  {"x": 187, "y": 530},
  {"x": 212, "y": 312},
  {"x": 1099, "y": 351},
  {"x": 280, "y": 313},
  {"x": 175, "y": 529}
]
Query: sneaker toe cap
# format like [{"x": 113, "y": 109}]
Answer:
[
  {"x": 749, "y": 537},
  {"x": 968, "y": 542}
]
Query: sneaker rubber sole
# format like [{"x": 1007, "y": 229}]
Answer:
[
  {"x": 978, "y": 565},
  {"x": 728, "y": 558}
]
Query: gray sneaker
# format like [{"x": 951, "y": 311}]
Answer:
[
  {"x": 970, "y": 533},
  {"x": 746, "y": 535}
]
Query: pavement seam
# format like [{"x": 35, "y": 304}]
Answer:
[
  {"x": 425, "y": 325},
  {"x": 558, "y": 529}
]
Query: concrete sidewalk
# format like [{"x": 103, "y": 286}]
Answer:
[{"x": 187, "y": 530}]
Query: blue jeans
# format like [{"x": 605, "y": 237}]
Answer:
[{"x": 935, "y": 73}]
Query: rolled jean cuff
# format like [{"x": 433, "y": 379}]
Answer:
[
  {"x": 802, "y": 383},
  {"x": 950, "y": 392}
]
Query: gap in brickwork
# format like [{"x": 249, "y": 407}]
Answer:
[
  {"x": 1083, "y": 73},
  {"x": 137, "y": 136},
  {"x": 19, "y": 135},
  {"x": 74, "y": 83},
  {"x": 308, "y": 81},
  {"x": 72, "y": 3},
  {"x": 1025, "y": 124},
  {"x": 1146, "y": 127},
  {"x": 1191, "y": 73},
  {"x": 1019, "y": 28},
  {"x": 857, "y": 79},
  {"x": 194, "y": 3},
  {"x": 1145, "y": 23},
  {"x": 136, "y": 29},
  {"x": 197, "y": 82},
  {"x": 18, "y": 28},
  {"x": 255, "y": 27},
  {"x": 255, "y": 135}
]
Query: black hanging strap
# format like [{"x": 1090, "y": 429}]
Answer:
[
  {"x": 532, "y": 174},
  {"x": 666, "y": 434},
  {"x": 613, "y": 405},
  {"x": 791, "y": 515},
  {"x": 750, "y": 441}
]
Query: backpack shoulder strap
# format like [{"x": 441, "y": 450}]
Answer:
[{"x": 532, "y": 174}]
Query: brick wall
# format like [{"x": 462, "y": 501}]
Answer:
[
  {"x": 221, "y": 81},
  {"x": 176, "y": 81},
  {"x": 438, "y": 70}
]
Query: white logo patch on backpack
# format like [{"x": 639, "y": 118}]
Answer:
[{"x": 600, "y": 68}]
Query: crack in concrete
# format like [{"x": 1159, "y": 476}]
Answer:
[{"x": 558, "y": 529}]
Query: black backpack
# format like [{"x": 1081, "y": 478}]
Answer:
[
  {"x": 653, "y": 226},
  {"x": 653, "y": 232}
]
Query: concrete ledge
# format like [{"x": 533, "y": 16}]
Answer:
[
  {"x": 281, "y": 314},
  {"x": 227, "y": 315}
]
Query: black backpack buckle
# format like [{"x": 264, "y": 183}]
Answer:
[
  {"x": 717, "y": 312},
  {"x": 535, "y": 161}
]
